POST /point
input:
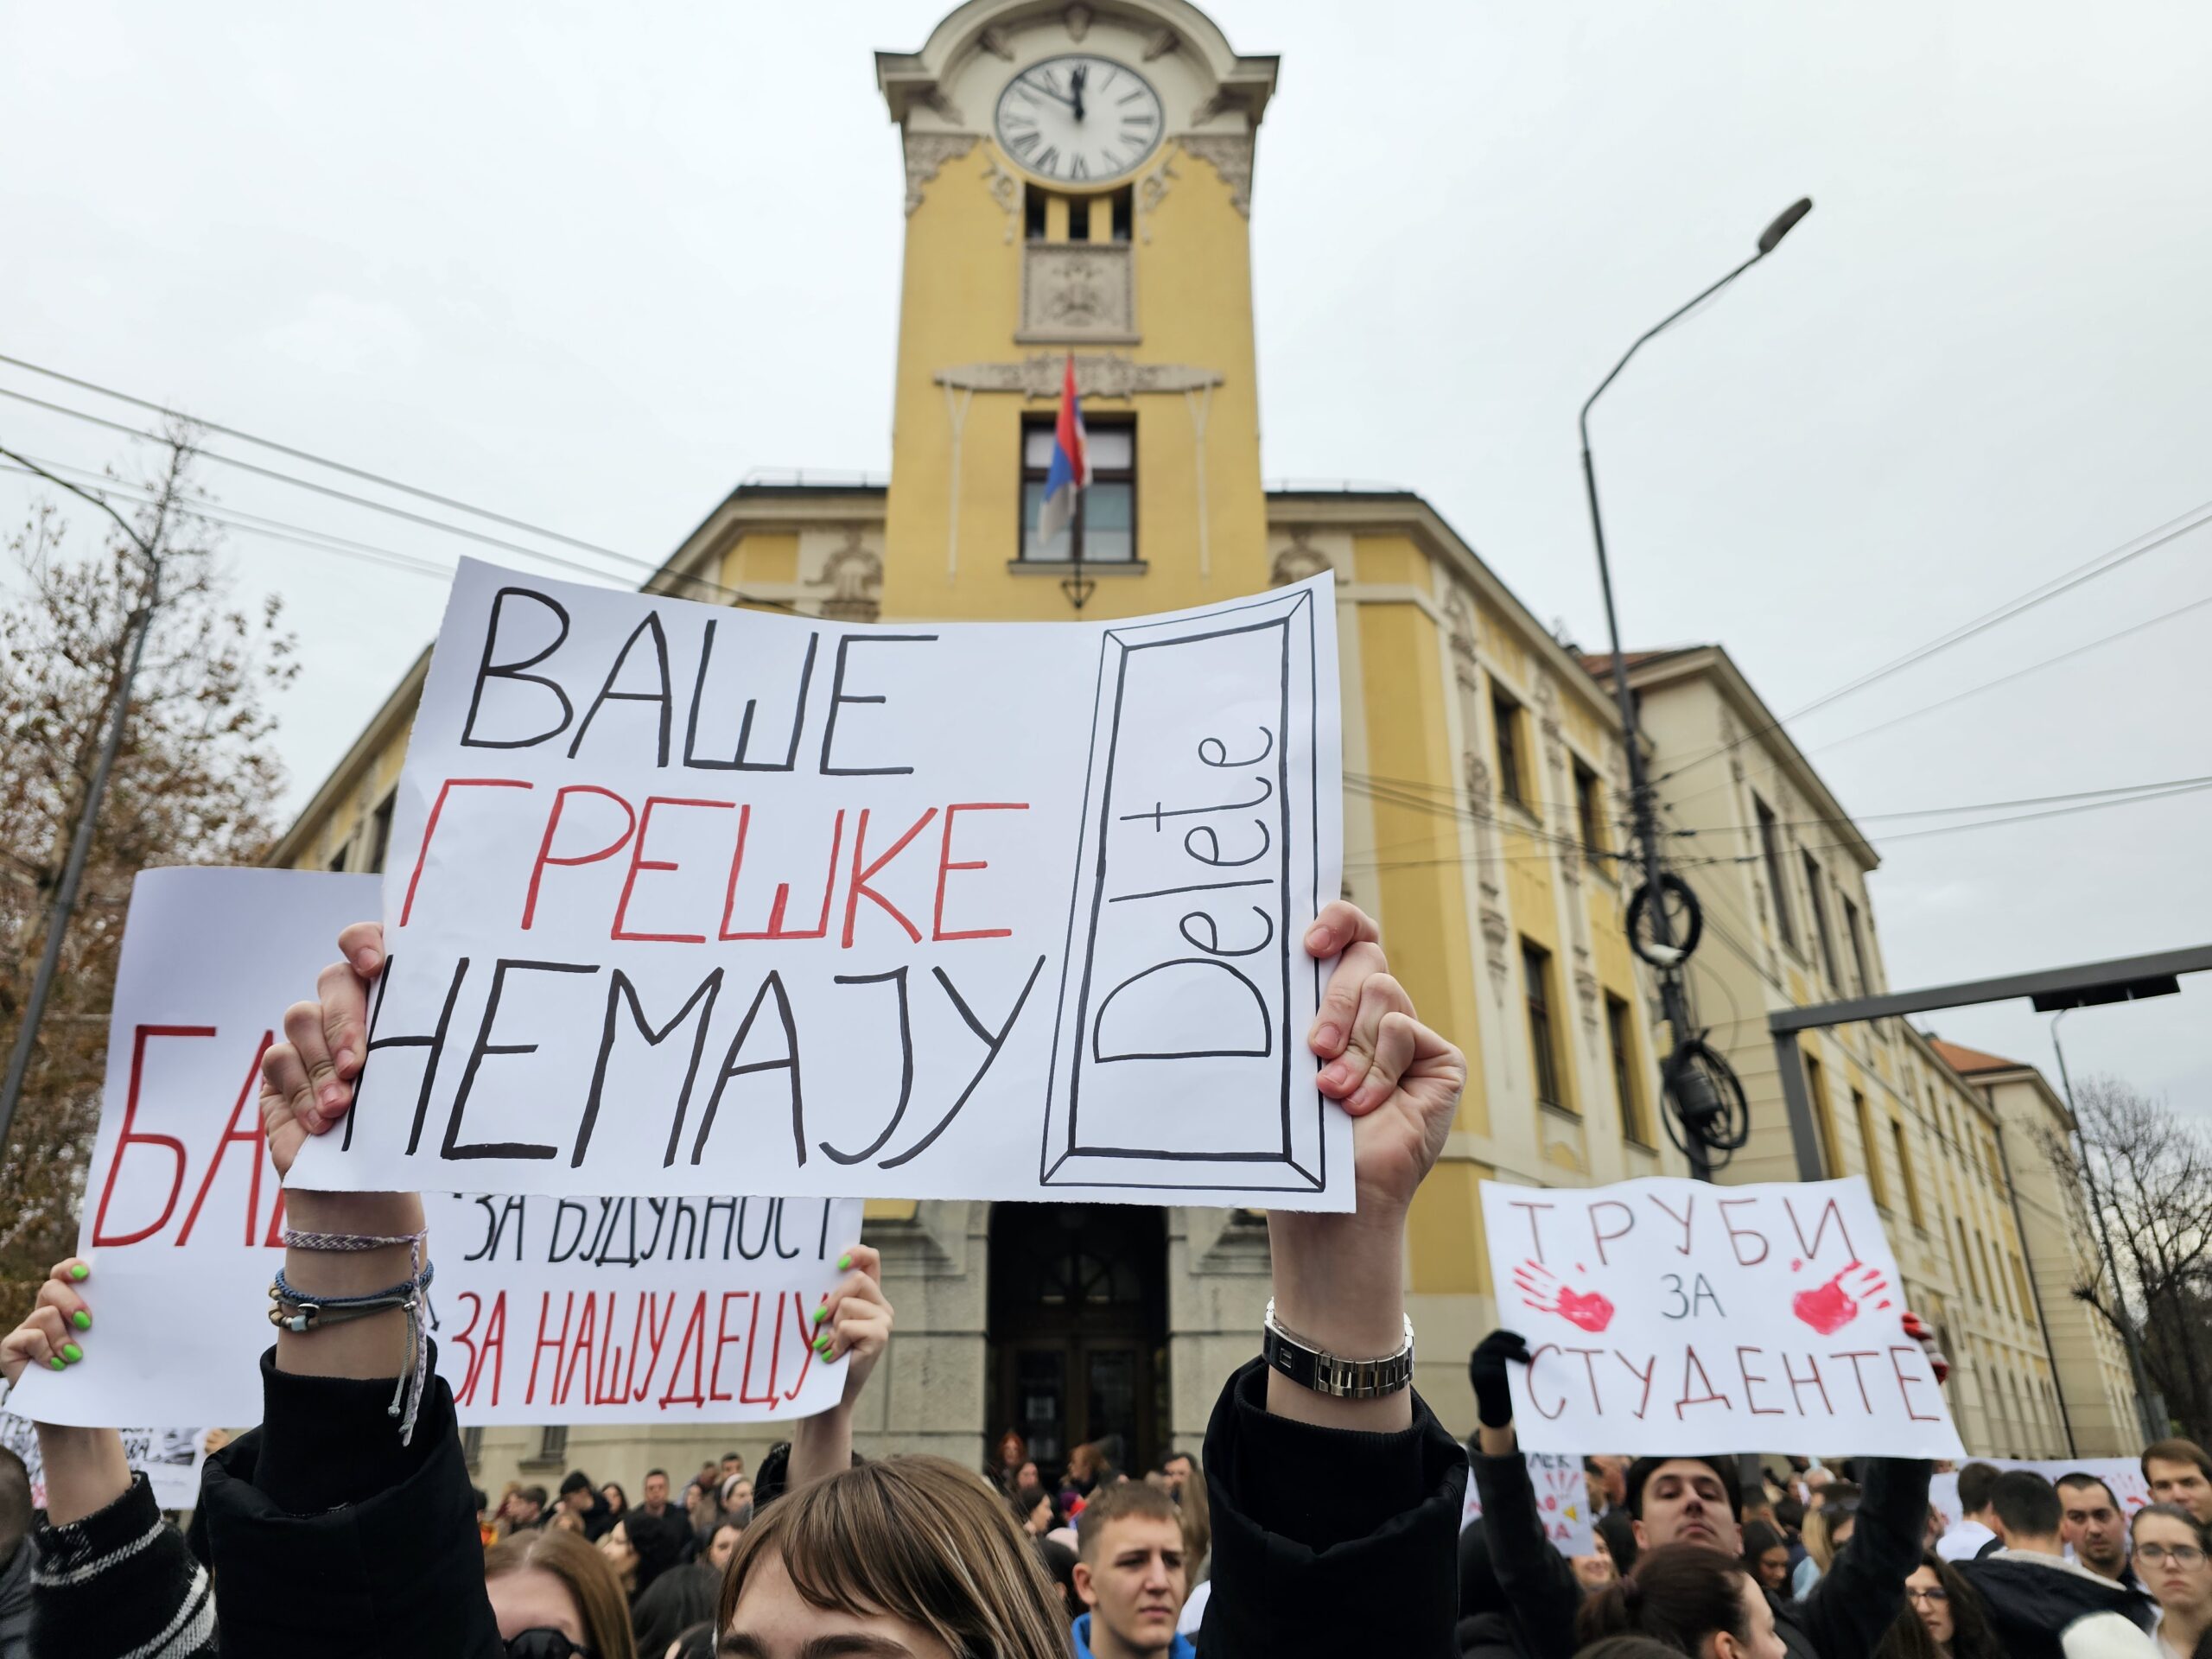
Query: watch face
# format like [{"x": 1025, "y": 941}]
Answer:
[{"x": 1079, "y": 119}]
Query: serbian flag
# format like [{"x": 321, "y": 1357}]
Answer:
[{"x": 1070, "y": 468}]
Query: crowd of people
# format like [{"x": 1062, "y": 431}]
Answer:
[{"x": 1323, "y": 1516}]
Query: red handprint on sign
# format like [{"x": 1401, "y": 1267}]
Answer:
[
  {"x": 1831, "y": 1307},
  {"x": 1540, "y": 1290}
]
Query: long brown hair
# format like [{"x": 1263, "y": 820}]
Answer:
[
  {"x": 589, "y": 1576},
  {"x": 1679, "y": 1593},
  {"x": 919, "y": 1538}
]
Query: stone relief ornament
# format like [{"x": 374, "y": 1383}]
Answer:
[
  {"x": 1160, "y": 43},
  {"x": 1151, "y": 189},
  {"x": 1097, "y": 374},
  {"x": 1231, "y": 155},
  {"x": 1495, "y": 932},
  {"x": 1459, "y": 627},
  {"x": 853, "y": 575},
  {"x": 993, "y": 39},
  {"x": 1076, "y": 290},
  {"x": 925, "y": 153},
  {"x": 1298, "y": 560},
  {"x": 1078, "y": 18},
  {"x": 1006, "y": 190}
]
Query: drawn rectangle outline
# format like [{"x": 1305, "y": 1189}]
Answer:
[{"x": 1280, "y": 1170}]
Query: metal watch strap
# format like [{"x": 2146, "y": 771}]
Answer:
[{"x": 1325, "y": 1373}]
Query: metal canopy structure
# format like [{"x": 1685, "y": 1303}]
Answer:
[{"x": 2122, "y": 979}]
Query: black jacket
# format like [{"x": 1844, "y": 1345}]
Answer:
[
  {"x": 2035, "y": 1601},
  {"x": 1844, "y": 1616},
  {"x": 325, "y": 1535},
  {"x": 1329, "y": 1541}
]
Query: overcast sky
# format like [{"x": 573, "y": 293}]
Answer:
[{"x": 589, "y": 265}]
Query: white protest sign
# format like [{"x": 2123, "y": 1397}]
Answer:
[
  {"x": 169, "y": 1458},
  {"x": 1563, "y": 1502},
  {"x": 686, "y": 898},
  {"x": 567, "y": 1310},
  {"x": 1672, "y": 1316}
]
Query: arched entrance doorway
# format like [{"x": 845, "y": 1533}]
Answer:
[{"x": 1079, "y": 1329}]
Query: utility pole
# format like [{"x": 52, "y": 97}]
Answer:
[
  {"x": 2127, "y": 1333},
  {"x": 1706, "y": 1094},
  {"x": 81, "y": 844}
]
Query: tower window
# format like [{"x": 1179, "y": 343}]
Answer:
[
  {"x": 1032, "y": 212},
  {"x": 1078, "y": 219},
  {"x": 1505, "y": 719},
  {"x": 1106, "y": 522},
  {"x": 1123, "y": 208}
]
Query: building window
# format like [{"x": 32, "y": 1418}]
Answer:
[
  {"x": 380, "y": 833},
  {"x": 1871, "y": 1147},
  {"x": 1106, "y": 525},
  {"x": 1823, "y": 1126},
  {"x": 1905, "y": 1174},
  {"x": 1856, "y": 934},
  {"x": 1620, "y": 1037},
  {"x": 1123, "y": 207},
  {"x": 1078, "y": 219},
  {"x": 1820, "y": 918},
  {"x": 2020, "y": 1278},
  {"x": 1543, "y": 1049},
  {"x": 472, "y": 1445},
  {"x": 1771, "y": 850},
  {"x": 1589, "y": 810},
  {"x": 1032, "y": 212},
  {"x": 337, "y": 859},
  {"x": 552, "y": 1444},
  {"x": 1965, "y": 1255},
  {"x": 1505, "y": 716}
]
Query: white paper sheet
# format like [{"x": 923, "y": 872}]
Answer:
[
  {"x": 1672, "y": 1316},
  {"x": 1563, "y": 1502},
  {"x": 686, "y": 898},
  {"x": 572, "y": 1310}
]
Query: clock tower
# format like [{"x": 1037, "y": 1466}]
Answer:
[{"x": 1078, "y": 183}]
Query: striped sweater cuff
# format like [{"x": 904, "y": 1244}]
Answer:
[{"x": 120, "y": 1584}]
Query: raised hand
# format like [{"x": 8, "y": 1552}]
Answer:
[
  {"x": 854, "y": 1322},
  {"x": 1399, "y": 1081},
  {"x": 51, "y": 1333},
  {"x": 306, "y": 1080}
]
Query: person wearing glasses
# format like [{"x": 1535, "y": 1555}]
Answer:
[
  {"x": 2172, "y": 1551},
  {"x": 1943, "y": 1617}
]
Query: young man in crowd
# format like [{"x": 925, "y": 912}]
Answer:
[
  {"x": 1976, "y": 1533},
  {"x": 733, "y": 1465},
  {"x": 1130, "y": 1572},
  {"x": 658, "y": 1531},
  {"x": 2179, "y": 1473},
  {"x": 582, "y": 1499},
  {"x": 1687, "y": 1500},
  {"x": 1172, "y": 1471},
  {"x": 527, "y": 1510},
  {"x": 2041, "y": 1604},
  {"x": 2091, "y": 1525}
]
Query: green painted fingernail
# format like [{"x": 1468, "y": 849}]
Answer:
[
  {"x": 822, "y": 1313},
  {"x": 78, "y": 1270},
  {"x": 822, "y": 1346},
  {"x": 59, "y": 1363},
  {"x": 81, "y": 1319},
  {"x": 72, "y": 1352},
  {"x": 845, "y": 1261}
]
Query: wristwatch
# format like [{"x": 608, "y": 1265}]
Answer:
[{"x": 1326, "y": 1373}]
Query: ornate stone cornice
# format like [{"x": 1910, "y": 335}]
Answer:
[
  {"x": 925, "y": 153},
  {"x": 1105, "y": 374},
  {"x": 1231, "y": 155}
]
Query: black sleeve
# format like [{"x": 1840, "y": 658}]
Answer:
[
  {"x": 1847, "y": 1613},
  {"x": 328, "y": 1536},
  {"x": 1539, "y": 1587},
  {"x": 1329, "y": 1541},
  {"x": 120, "y": 1582}
]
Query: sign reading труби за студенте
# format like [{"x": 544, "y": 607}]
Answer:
[{"x": 681, "y": 897}]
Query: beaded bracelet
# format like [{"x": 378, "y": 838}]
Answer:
[{"x": 411, "y": 1297}]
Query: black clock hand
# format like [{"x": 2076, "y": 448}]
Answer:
[
  {"x": 1076, "y": 77},
  {"x": 1026, "y": 84}
]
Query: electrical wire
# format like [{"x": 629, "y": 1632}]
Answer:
[
  {"x": 201, "y": 506},
  {"x": 727, "y": 594},
  {"x": 2019, "y": 605},
  {"x": 1964, "y": 806}
]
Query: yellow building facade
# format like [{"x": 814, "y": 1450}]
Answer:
[
  {"x": 1482, "y": 764},
  {"x": 1977, "y": 1218}
]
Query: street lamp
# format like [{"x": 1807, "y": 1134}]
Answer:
[{"x": 1696, "y": 1099}]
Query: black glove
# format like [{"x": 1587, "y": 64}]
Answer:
[{"x": 1486, "y": 1371}]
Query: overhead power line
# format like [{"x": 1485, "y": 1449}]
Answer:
[
  {"x": 1966, "y": 806},
  {"x": 2019, "y": 605},
  {"x": 715, "y": 588}
]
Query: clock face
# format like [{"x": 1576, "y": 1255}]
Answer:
[{"x": 1079, "y": 119}]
